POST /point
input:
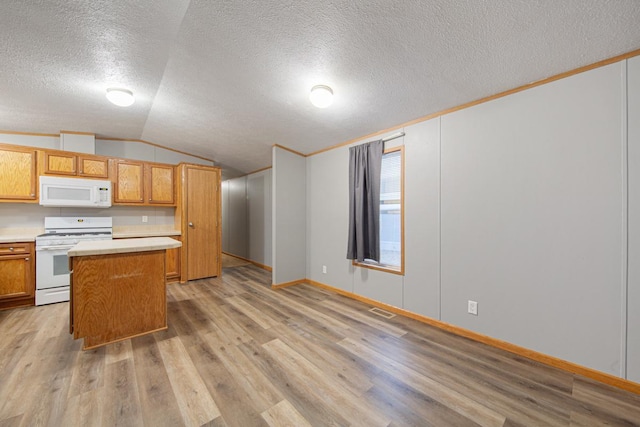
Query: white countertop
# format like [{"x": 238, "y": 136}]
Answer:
[
  {"x": 129, "y": 231},
  {"x": 105, "y": 247},
  {"x": 17, "y": 238},
  {"x": 144, "y": 233},
  {"x": 17, "y": 235}
]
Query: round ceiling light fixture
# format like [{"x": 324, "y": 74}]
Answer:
[
  {"x": 120, "y": 97},
  {"x": 321, "y": 96}
]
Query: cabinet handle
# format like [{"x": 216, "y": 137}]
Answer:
[
  {"x": 11, "y": 249},
  {"x": 26, "y": 259},
  {"x": 33, "y": 194},
  {"x": 191, "y": 224}
]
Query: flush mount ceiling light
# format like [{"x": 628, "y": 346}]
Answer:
[
  {"x": 120, "y": 97},
  {"x": 321, "y": 96}
]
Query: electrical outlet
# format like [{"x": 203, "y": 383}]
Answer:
[
  {"x": 472, "y": 307},
  {"x": 145, "y": 218},
  {"x": 324, "y": 269}
]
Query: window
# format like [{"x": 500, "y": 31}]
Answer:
[{"x": 391, "y": 213}]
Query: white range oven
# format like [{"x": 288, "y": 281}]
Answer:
[{"x": 52, "y": 263}]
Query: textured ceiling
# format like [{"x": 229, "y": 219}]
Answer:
[{"x": 228, "y": 79}]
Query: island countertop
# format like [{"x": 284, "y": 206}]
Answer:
[{"x": 118, "y": 246}]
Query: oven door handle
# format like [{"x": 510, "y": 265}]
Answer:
[{"x": 54, "y": 248}]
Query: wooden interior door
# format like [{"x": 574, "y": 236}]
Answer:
[{"x": 202, "y": 200}]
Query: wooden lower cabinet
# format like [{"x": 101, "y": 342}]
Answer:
[
  {"x": 173, "y": 263},
  {"x": 117, "y": 296},
  {"x": 17, "y": 275}
]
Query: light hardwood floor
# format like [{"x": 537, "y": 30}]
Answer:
[{"x": 239, "y": 354}]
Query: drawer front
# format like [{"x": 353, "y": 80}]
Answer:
[{"x": 14, "y": 248}]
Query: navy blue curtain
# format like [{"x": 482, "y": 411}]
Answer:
[{"x": 365, "y": 164}]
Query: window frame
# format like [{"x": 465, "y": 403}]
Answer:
[{"x": 387, "y": 268}]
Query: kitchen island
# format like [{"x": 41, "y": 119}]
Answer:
[{"x": 118, "y": 289}]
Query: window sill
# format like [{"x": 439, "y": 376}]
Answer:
[{"x": 387, "y": 269}]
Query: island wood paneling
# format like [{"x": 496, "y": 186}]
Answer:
[{"x": 118, "y": 296}]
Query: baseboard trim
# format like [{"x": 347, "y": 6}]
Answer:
[
  {"x": 287, "y": 284},
  {"x": 257, "y": 264},
  {"x": 555, "y": 362}
]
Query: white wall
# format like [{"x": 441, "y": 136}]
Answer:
[
  {"x": 226, "y": 236},
  {"x": 327, "y": 228},
  {"x": 422, "y": 219},
  {"x": 51, "y": 142},
  {"x": 111, "y": 148},
  {"x": 531, "y": 218},
  {"x": 327, "y": 222},
  {"x": 289, "y": 241},
  {"x": 246, "y": 217},
  {"x": 516, "y": 203},
  {"x": 140, "y": 151},
  {"x": 29, "y": 215},
  {"x": 633, "y": 303},
  {"x": 79, "y": 143},
  {"x": 259, "y": 211},
  {"x": 235, "y": 230}
]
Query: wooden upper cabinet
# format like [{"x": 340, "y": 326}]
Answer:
[
  {"x": 60, "y": 163},
  {"x": 93, "y": 166},
  {"x": 18, "y": 179},
  {"x": 74, "y": 164},
  {"x": 129, "y": 182},
  {"x": 143, "y": 183},
  {"x": 160, "y": 183}
]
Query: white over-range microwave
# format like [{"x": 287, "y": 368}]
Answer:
[{"x": 76, "y": 192}]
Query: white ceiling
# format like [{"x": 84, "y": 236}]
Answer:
[{"x": 228, "y": 79}]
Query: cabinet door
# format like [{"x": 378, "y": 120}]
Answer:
[
  {"x": 16, "y": 280},
  {"x": 129, "y": 182},
  {"x": 60, "y": 164},
  {"x": 160, "y": 184},
  {"x": 17, "y": 275},
  {"x": 93, "y": 167},
  {"x": 173, "y": 263},
  {"x": 17, "y": 174}
]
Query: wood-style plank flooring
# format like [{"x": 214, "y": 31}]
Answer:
[{"x": 239, "y": 354}]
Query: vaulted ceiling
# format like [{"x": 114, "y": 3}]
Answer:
[{"x": 228, "y": 79}]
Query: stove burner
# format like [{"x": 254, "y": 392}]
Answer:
[{"x": 80, "y": 233}]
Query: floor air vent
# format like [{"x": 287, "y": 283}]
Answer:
[{"x": 381, "y": 312}]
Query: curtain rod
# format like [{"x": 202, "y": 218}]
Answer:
[{"x": 394, "y": 136}]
